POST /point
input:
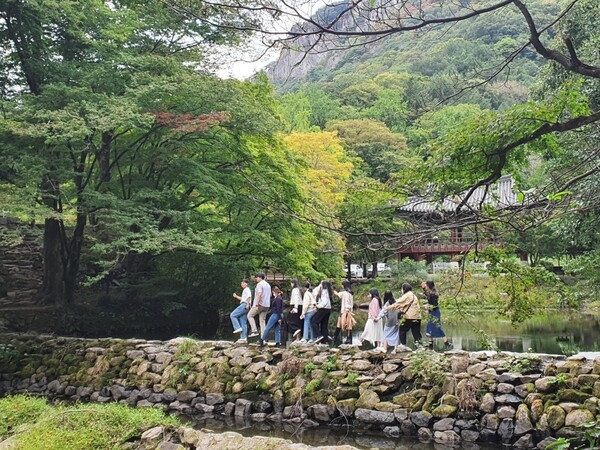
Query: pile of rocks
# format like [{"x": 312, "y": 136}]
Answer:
[{"x": 524, "y": 401}]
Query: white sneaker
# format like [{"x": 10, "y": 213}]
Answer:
[
  {"x": 239, "y": 330},
  {"x": 296, "y": 333},
  {"x": 302, "y": 341},
  {"x": 241, "y": 341},
  {"x": 253, "y": 334},
  {"x": 319, "y": 339}
]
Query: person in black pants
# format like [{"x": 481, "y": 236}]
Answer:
[
  {"x": 320, "y": 321},
  {"x": 410, "y": 307}
]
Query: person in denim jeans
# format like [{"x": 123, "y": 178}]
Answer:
[
  {"x": 309, "y": 308},
  {"x": 238, "y": 316},
  {"x": 275, "y": 319}
]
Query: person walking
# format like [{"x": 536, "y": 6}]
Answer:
[
  {"x": 320, "y": 321},
  {"x": 294, "y": 317},
  {"x": 373, "y": 331},
  {"x": 410, "y": 307},
  {"x": 346, "y": 320},
  {"x": 390, "y": 330},
  {"x": 275, "y": 319},
  {"x": 434, "y": 328},
  {"x": 239, "y": 316},
  {"x": 309, "y": 308},
  {"x": 260, "y": 304}
]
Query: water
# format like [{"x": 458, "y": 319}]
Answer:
[
  {"x": 321, "y": 436},
  {"x": 559, "y": 332}
]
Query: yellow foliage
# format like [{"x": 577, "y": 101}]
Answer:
[{"x": 325, "y": 167}]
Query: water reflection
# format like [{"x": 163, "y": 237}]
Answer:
[
  {"x": 559, "y": 332},
  {"x": 320, "y": 436},
  {"x": 556, "y": 332}
]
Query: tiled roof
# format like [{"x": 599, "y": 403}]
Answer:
[{"x": 499, "y": 195}]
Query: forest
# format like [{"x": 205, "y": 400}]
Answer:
[{"x": 155, "y": 185}]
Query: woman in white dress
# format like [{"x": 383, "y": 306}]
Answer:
[{"x": 374, "y": 326}]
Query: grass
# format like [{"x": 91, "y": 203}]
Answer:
[{"x": 37, "y": 425}]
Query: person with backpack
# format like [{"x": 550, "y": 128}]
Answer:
[{"x": 410, "y": 307}]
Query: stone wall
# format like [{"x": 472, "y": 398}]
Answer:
[
  {"x": 21, "y": 265},
  {"x": 524, "y": 401}
]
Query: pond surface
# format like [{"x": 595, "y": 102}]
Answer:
[
  {"x": 321, "y": 436},
  {"x": 560, "y": 332},
  {"x": 557, "y": 332}
]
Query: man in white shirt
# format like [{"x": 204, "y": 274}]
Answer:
[
  {"x": 260, "y": 305},
  {"x": 239, "y": 315}
]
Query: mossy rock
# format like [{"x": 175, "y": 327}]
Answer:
[
  {"x": 443, "y": 411},
  {"x": 556, "y": 417},
  {"x": 345, "y": 392},
  {"x": 368, "y": 399},
  {"x": 407, "y": 400},
  {"x": 450, "y": 399},
  {"x": 347, "y": 406},
  {"x": 318, "y": 398},
  {"x": 432, "y": 397},
  {"x": 289, "y": 384},
  {"x": 292, "y": 396},
  {"x": 385, "y": 406},
  {"x": 572, "y": 395}
]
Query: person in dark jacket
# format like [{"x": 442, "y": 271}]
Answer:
[
  {"x": 434, "y": 319},
  {"x": 275, "y": 318}
]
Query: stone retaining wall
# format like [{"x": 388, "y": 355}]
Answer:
[
  {"x": 20, "y": 263},
  {"x": 524, "y": 401}
]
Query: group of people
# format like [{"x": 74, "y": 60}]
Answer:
[
  {"x": 390, "y": 320},
  {"x": 388, "y": 323},
  {"x": 308, "y": 319}
]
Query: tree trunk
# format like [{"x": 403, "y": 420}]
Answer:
[{"x": 54, "y": 267}]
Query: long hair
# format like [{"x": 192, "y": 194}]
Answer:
[
  {"x": 306, "y": 286},
  {"x": 406, "y": 287},
  {"x": 388, "y": 297},
  {"x": 347, "y": 286},
  {"x": 431, "y": 286},
  {"x": 295, "y": 283},
  {"x": 375, "y": 294},
  {"x": 327, "y": 285}
]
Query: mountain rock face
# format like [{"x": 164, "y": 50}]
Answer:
[
  {"x": 311, "y": 50},
  {"x": 471, "y": 48}
]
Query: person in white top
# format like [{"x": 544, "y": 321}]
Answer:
[
  {"x": 309, "y": 308},
  {"x": 346, "y": 320},
  {"x": 238, "y": 316},
  {"x": 260, "y": 305},
  {"x": 320, "y": 321},
  {"x": 294, "y": 322}
]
